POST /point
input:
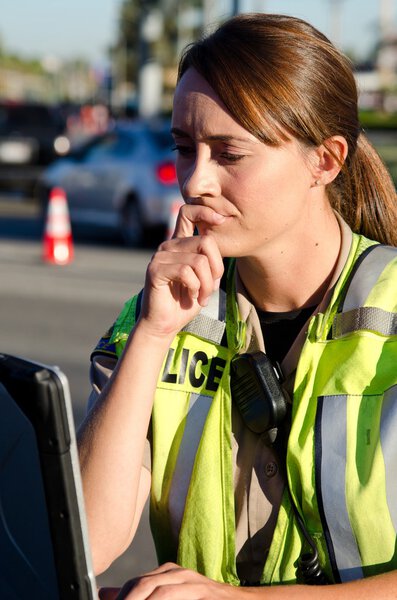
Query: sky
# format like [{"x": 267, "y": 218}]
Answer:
[{"x": 66, "y": 29}]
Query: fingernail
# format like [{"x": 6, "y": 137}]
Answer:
[{"x": 217, "y": 283}]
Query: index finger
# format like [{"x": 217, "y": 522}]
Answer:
[{"x": 192, "y": 214}]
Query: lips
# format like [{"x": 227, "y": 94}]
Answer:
[{"x": 201, "y": 202}]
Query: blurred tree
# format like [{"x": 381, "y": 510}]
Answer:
[
  {"x": 179, "y": 22},
  {"x": 125, "y": 50}
]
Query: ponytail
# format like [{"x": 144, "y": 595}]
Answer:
[{"x": 365, "y": 196}]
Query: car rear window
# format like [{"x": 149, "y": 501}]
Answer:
[
  {"x": 109, "y": 146},
  {"x": 26, "y": 118}
]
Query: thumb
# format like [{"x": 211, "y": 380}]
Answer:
[{"x": 191, "y": 215}]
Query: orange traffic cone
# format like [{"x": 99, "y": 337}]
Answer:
[{"x": 57, "y": 240}]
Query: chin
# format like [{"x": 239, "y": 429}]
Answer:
[{"x": 227, "y": 245}]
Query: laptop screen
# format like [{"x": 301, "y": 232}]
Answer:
[{"x": 43, "y": 533}]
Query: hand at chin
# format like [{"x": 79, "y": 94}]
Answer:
[{"x": 224, "y": 240}]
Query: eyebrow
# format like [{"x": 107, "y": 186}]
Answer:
[{"x": 218, "y": 137}]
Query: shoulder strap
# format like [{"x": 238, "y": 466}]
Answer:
[
  {"x": 352, "y": 315},
  {"x": 108, "y": 344},
  {"x": 210, "y": 323}
]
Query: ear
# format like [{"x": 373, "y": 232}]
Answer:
[{"x": 329, "y": 159}]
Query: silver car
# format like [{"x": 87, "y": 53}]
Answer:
[{"x": 123, "y": 179}]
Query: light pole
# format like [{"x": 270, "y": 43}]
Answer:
[
  {"x": 150, "y": 72},
  {"x": 386, "y": 17},
  {"x": 336, "y": 22},
  {"x": 235, "y": 7}
]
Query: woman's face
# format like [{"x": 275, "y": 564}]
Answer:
[{"x": 265, "y": 192}]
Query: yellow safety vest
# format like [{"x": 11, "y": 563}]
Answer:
[{"x": 342, "y": 449}]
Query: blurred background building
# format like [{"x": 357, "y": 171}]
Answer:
[{"x": 148, "y": 36}]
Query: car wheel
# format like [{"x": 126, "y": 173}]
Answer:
[{"x": 131, "y": 224}]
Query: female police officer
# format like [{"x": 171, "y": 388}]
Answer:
[{"x": 275, "y": 172}]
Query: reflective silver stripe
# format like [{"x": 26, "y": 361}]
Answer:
[
  {"x": 388, "y": 439},
  {"x": 365, "y": 317},
  {"x": 207, "y": 328},
  {"x": 367, "y": 275},
  {"x": 215, "y": 307},
  {"x": 333, "y": 484},
  {"x": 194, "y": 425},
  {"x": 210, "y": 323}
]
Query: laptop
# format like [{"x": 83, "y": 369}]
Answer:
[{"x": 44, "y": 545}]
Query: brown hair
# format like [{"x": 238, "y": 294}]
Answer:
[{"x": 279, "y": 76}]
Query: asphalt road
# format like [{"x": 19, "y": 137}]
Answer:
[{"x": 56, "y": 314}]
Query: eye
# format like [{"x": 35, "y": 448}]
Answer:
[
  {"x": 183, "y": 150},
  {"x": 232, "y": 157}
]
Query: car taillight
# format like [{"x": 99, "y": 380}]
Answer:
[{"x": 166, "y": 173}]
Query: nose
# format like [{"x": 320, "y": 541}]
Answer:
[{"x": 201, "y": 179}]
